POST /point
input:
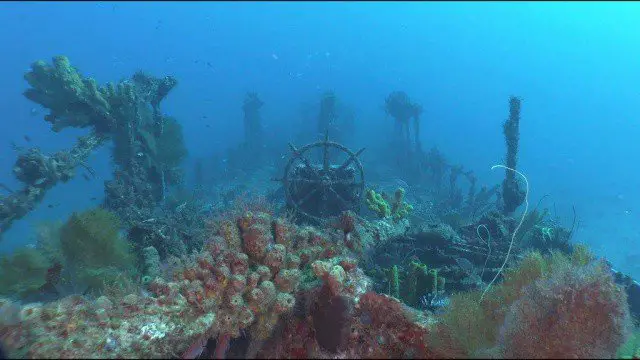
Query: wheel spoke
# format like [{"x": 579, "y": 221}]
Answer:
[
  {"x": 346, "y": 163},
  {"x": 323, "y": 201},
  {"x": 306, "y": 197},
  {"x": 319, "y": 184},
  {"x": 325, "y": 153},
  {"x": 307, "y": 163},
  {"x": 306, "y": 181},
  {"x": 350, "y": 160},
  {"x": 339, "y": 197},
  {"x": 346, "y": 182}
]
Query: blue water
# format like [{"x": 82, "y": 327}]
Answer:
[{"x": 575, "y": 65}]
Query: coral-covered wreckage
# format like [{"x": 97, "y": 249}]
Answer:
[{"x": 253, "y": 282}]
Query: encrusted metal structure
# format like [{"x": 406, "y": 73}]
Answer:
[{"x": 318, "y": 191}]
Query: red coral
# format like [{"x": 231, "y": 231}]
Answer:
[
  {"x": 349, "y": 264},
  {"x": 189, "y": 274},
  {"x": 256, "y": 239},
  {"x": 284, "y": 303},
  {"x": 205, "y": 262},
  {"x": 222, "y": 275},
  {"x": 282, "y": 231},
  {"x": 347, "y": 222},
  {"x": 253, "y": 279},
  {"x": 288, "y": 279},
  {"x": 383, "y": 309},
  {"x": 238, "y": 283},
  {"x": 216, "y": 245},
  {"x": 238, "y": 262},
  {"x": 275, "y": 258}
]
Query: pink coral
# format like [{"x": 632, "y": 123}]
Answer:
[
  {"x": 255, "y": 241},
  {"x": 579, "y": 312}
]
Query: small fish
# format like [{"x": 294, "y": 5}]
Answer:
[
  {"x": 209, "y": 64},
  {"x": 5, "y": 187},
  {"x": 27, "y": 138},
  {"x": 40, "y": 181},
  {"x": 86, "y": 177},
  {"x": 15, "y": 147},
  {"x": 434, "y": 302},
  {"x": 33, "y": 111},
  {"x": 93, "y": 198},
  {"x": 110, "y": 344},
  {"x": 274, "y": 56},
  {"x": 51, "y": 206}
]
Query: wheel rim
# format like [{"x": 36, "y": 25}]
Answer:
[{"x": 305, "y": 183}]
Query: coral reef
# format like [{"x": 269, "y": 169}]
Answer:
[
  {"x": 294, "y": 291},
  {"x": 244, "y": 279},
  {"x": 343, "y": 319}
]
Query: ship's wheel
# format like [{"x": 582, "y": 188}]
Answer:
[{"x": 322, "y": 190}]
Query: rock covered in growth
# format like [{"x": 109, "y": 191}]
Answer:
[{"x": 229, "y": 287}]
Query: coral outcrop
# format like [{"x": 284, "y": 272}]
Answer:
[{"x": 244, "y": 279}]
